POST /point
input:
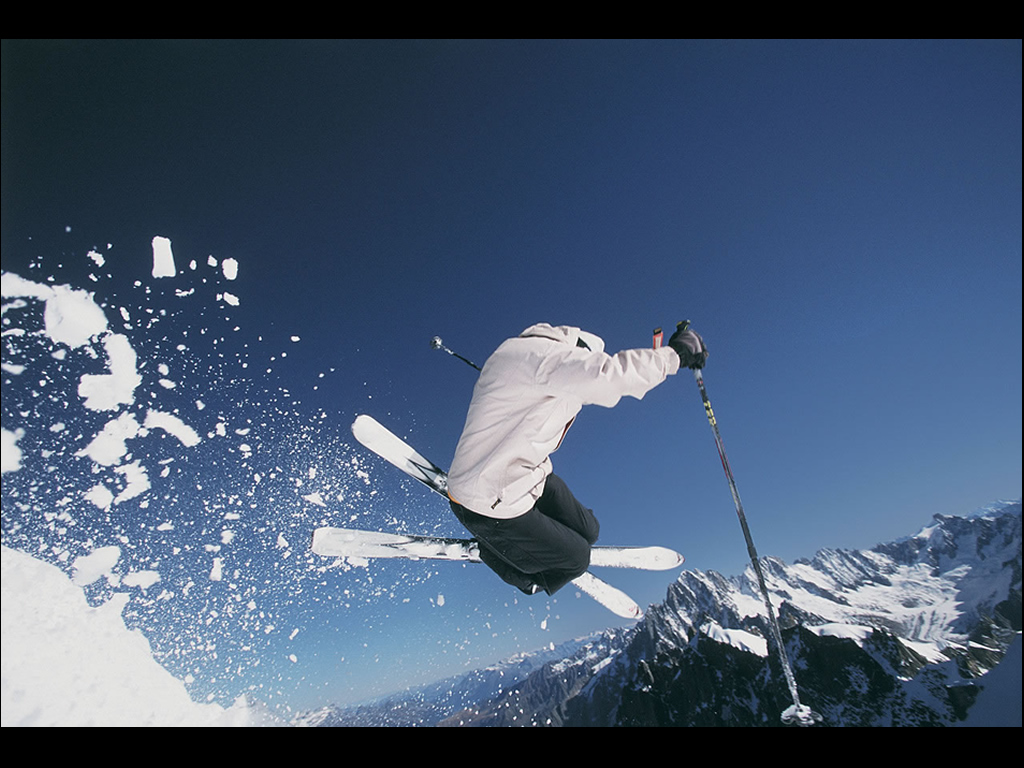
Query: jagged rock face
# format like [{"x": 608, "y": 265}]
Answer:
[
  {"x": 713, "y": 684},
  {"x": 957, "y": 581},
  {"x": 709, "y": 683},
  {"x": 893, "y": 636}
]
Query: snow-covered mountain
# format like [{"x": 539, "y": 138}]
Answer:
[
  {"x": 902, "y": 634},
  {"x": 429, "y": 704}
]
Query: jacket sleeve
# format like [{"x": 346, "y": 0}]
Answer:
[{"x": 599, "y": 379}]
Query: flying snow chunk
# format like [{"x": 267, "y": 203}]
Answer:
[
  {"x": 163, "y": 258},
  {"x": 96, "y": 257},
  {"x": 10, "y": 453},
  {"x": 109, "y": 445},
  {"x": 137, "y": 480},
  {"x": 230, "y": 268},
  {"x": 89, "y": 568},
  {"x": 173, "y": 425},
  {"x": 12, "y": 286},
  {"x": 228, "y": 298},
  {"x": 72, "y": 317},
  {"x": 100, "y": 496},
  {"x": 105, "y": 392},
  {"x": 143, "y": 579}
]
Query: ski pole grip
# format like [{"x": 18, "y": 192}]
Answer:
[{"x": 682, "y": 325}]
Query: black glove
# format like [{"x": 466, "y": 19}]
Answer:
[{"x": 690, "y": 347}]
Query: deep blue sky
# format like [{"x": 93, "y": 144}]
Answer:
[{"x": 840, "y": 220}]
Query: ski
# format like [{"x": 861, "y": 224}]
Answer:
[
  {"x": 349, "y": 542},
  {"x": 367, "y": 545},
  {"x": 612, "y": 598},
  {"x": 379, "y": 439}
]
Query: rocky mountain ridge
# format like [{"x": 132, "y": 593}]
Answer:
[{"x": 896, "y": 635}]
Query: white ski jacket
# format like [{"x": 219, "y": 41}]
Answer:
[{"x": 527, "y": 396}]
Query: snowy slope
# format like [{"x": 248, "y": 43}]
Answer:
[{"x": 68, "y": 664}]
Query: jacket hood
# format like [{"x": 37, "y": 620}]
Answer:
[{"x": 566, "y": 334}]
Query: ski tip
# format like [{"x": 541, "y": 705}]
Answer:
[
  {"x": 316, "y": 540},
  {"x": 625, "y": 610},
  {"x": 673, "y": 559},
  {"x": 628, "y": 610},
  {"x": 663, "y": 558},
  {"x": 612, "y": 598},
  {"x": 643, "y": 558},
  {"x": 362, "y": 421}
]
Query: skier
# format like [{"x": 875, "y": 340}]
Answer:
[{"x": 531, "y": 529}]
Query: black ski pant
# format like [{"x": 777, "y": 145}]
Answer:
[{"x": 549, "y": 546}]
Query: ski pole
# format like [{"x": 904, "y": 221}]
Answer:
[
  {"x": 798, "y": 714},
  {"x": 436, "y": 343}
]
